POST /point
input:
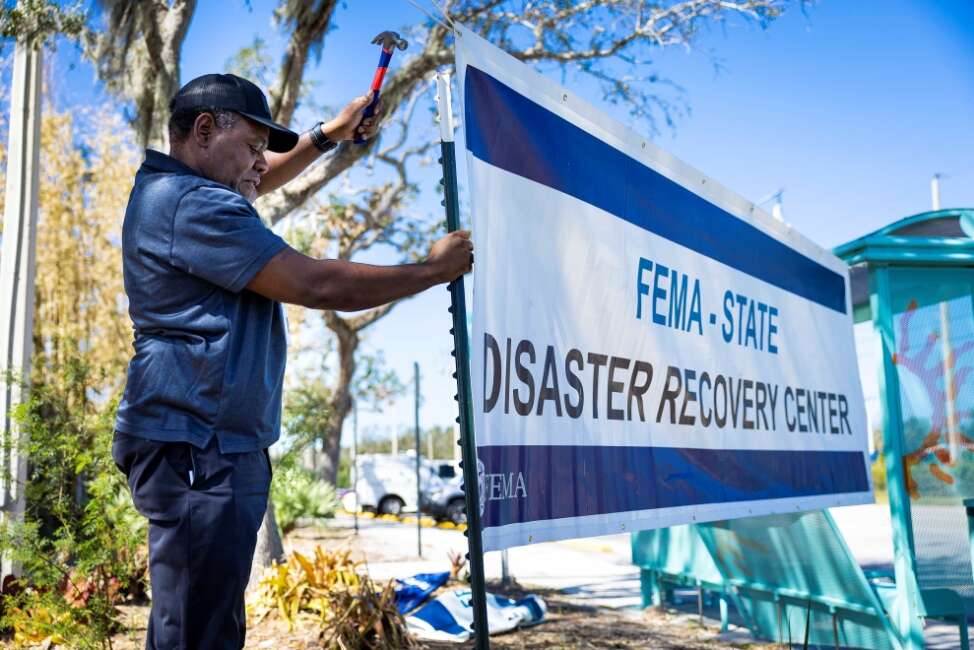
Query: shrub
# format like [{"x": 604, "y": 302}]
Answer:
[
  {"x": 329, "y": 589},
  {"x": 878, "y": 468},
  {"x": 81, "y": 544},
  {"x": 300, "y": 493}
]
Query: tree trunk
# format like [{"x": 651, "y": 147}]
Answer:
[
  {"x": 309, "y": 25},
  {"x": 138, "y": 56},
  {"x": 341, "y": 402},
  {"x": 269, "y": 546}
]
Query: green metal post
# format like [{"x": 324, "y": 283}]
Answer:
[
  {"x": 355, "y": 459},
  {"x": 907, "y": 619},
  {"x": 419, "y": 485},
  {"x": 458, "y": 307}
]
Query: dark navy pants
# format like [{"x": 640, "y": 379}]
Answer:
[{"x": 204, "y": 509}]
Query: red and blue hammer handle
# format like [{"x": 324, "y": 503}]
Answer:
[{"x": 380, "y": 74}]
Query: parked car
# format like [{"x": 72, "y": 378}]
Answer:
[
  {"x": 386, "y": 483},
  {"x": 448, "y": 503}
]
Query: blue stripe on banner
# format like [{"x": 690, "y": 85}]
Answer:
[
  {"x": 541, "y": 482},
  {"x": 507, "y": 130}
]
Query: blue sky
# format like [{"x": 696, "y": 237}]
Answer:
[{"x": 850, "y": 107}]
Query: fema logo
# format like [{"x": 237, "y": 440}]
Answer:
[
  {"x": 482, "y": 485},
  {"x": 499, "y": 486}
]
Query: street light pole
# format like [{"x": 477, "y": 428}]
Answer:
[{"x": 17, "y": 261}]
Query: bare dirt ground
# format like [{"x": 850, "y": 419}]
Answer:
[{"x": 568, "y": 625}]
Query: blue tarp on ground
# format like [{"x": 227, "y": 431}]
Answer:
[{"x": 450, "y": 617}]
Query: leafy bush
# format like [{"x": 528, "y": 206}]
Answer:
[
  {"x": 300, "y": 493},
  {"x": 329, "y": 589},
  {"x": 878, "y": 468},
  {"x": 81, "y": 543}
]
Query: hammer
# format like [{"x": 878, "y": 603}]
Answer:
[{"x": 388, "y": 40}]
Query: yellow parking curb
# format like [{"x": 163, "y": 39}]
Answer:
[{"x": 425, "y": 522}]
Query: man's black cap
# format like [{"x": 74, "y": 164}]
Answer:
[{"x": 233, "y": 93}]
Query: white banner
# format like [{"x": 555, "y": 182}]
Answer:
[{"x": 648, "y": 348}]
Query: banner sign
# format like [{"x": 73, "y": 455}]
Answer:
[{"x": 649, "y": 349}]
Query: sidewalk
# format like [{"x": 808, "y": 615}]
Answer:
[{"x": 595, "y": 571}]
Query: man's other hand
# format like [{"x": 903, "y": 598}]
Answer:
[
  {"x": 349, "y": 123},
  {"x": 348, "y": 286},
  {"x": 451, "y": 256}
]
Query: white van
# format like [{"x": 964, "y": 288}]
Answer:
[{"x": 387, "y": 483}]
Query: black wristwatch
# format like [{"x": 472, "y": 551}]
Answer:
[{"x": 321, "y": 141}]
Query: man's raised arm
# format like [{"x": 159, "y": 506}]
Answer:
[
  {"x": 348, "y": 286},
  {"x": 284, "y": 167}
]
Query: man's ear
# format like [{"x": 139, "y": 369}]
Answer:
[{"x": 203, "y": 129}]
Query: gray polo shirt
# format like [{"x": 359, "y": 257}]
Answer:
[{"x": 209, "y": 355}]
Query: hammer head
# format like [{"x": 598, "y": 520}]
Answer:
[{"x": 389, "y": 40}]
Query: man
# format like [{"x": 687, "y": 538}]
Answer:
[{"x": 205, "y": 281}]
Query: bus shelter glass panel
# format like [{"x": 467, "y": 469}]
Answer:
[{"x": 933, "y": 325}]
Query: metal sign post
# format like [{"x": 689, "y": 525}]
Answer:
[
  {"x": 419, "y": 485},
  {"x": 458, "y": 307},
  {"x": 355, "y": 460}
]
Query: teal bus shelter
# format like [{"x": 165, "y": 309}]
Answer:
[{"x": 792, "y": 577}]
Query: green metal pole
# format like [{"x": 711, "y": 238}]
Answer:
[
  {"x": 419, "y": 488},
  {"x": 458, "y": 308},
  {"x": 355, "y": 459}
]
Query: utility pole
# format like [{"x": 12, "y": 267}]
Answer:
[
  {"x": 935, "y": 190},
  {"x": 419, "y": 484},
  {"x": 777, "y": 211},
  {"x": 950, "y": 391},
  {"x": 17, "y": 261}
]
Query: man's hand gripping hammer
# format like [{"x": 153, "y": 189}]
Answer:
[{"x": 388, "y": 40}]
